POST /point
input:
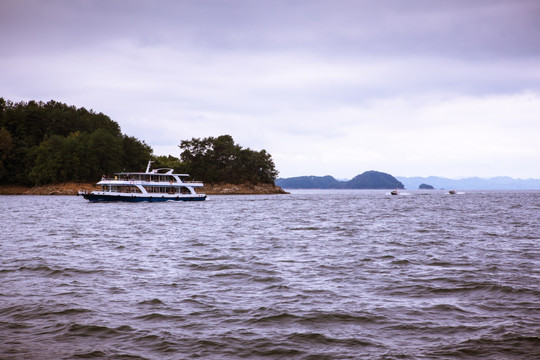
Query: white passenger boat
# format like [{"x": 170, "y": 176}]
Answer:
[{"x": 151, "y": 185}]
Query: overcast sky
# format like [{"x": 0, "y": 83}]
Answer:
[{"x": 328, "y": 87}]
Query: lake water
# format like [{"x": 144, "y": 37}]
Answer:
[{"x": 310, "y": 275}]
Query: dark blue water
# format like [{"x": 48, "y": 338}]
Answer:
[{"x": 311, "y": 275}]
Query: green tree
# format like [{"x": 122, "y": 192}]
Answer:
[
  {"x": 107, "y": 153},
  {"x": 50, "y": 142},
  {"x": 170, "y": 162},
  {"x": 215, "y": 160},
  {"x": 49, "y": 161},
  {"x": 6, "y": 147},
  {"x": 136, "y": 154}
]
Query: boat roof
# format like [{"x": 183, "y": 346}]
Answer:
[
  {"x": 169, "y": 171},
  {"x": 153, "y": 172}
]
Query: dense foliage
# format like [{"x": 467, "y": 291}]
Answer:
[
  {"x": 42, "y": 143},
  {"x": 215, "y": 160}
]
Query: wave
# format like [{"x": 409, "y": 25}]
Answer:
[
  {"x": 107, "y": 354},
  {"x": 508, "y": 346},
  {"x": 159, "y": 317},
  {"x": 55, "y": 272},
  {"x": 314, "y": 318},
  {"x": 344, "y": 276},
  {"x": 152, "y": 302},
  {"x": 77, "y": 329},
  {"x": 438, "y": 287}
]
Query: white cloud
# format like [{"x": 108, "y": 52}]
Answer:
[
  {"x": 321, "y": 97},
  {"x": 461, "y": 136}
]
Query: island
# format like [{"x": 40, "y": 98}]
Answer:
[
  {"x": 367, "y": 180},
  {"x": 54, "y": 148}
]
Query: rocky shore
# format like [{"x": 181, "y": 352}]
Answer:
[{"x": 73, "y": 188}]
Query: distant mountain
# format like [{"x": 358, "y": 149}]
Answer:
[
  {"x": 309, "y": 182},
  {"x": 473, "y": 183},
  {"x": 373, "y": 180},
  {"x": 367, "y": 180},
  {"x": 379, "y": 180}
]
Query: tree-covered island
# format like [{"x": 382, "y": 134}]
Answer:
[
  {"x": 50, "y": 143},
  {"x": 367, "y": 180}
]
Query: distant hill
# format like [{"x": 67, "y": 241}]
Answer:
[
  {"x": 379, "y": 180},
  {"x": 473, "y": 183},
  {"x": 367, "y": 180},
  {"x": 373, "y": 180},
  {"x": 309, "y": 182}
]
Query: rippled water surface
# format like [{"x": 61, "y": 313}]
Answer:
[{"x": 310, "y": 275}]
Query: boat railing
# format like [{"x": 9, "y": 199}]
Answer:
[
  {"x": 159, "y": 179},
  {"x": 131, "y": 179}
]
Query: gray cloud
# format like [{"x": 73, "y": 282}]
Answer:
[
  {"x": 462, "y": 29},
  {"x": 294, "y": 75}
]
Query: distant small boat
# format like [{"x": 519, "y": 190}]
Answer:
[
  {"x": 394, "y": 192},
  {"x": 452, "y": 192}
]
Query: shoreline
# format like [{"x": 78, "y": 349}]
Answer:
[{"x": 73, "y": 188}]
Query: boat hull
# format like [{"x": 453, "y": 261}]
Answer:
[
  {"x": 129, "y": 198},
  {"x": 158, "y": 185}
]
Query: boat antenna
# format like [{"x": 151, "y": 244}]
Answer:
[{"x": 148, "y": 167}]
